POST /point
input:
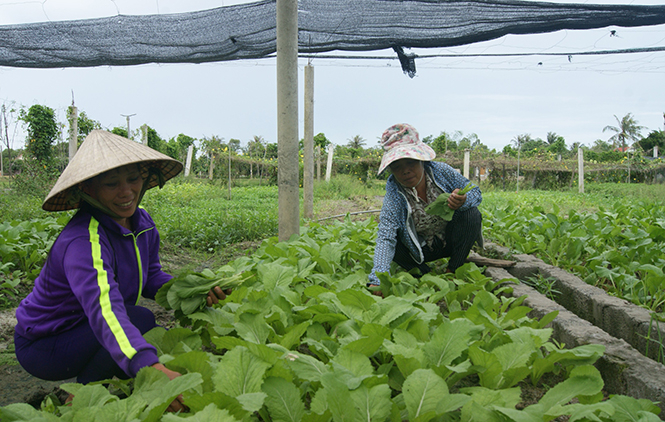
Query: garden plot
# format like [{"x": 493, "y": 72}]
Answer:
[{"x": 588, "y": 315}]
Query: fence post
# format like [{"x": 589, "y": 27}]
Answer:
[
  {"x": 580, "y": 169},
  {"x": 467, "y": 155},
  {"x": 188, "y": 163},
  {"x": 308, "y": 144},
  {"x": 329, "y": 166},
  {"x": 73, "y": 131},
  {"x": 229, "y": 171}
]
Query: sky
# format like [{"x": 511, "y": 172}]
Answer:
[{"x": 495, "y": 98}]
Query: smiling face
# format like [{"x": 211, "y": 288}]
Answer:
[
  {"x": 118, "y": 190},
  {"x": 408, "y": 172}
]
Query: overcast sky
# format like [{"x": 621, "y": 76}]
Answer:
[{"x": 495, "y": 98}]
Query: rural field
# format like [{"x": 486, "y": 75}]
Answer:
[{"x": 302, "y": 339}]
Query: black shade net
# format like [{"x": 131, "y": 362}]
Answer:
[{"x": 249, "y": 31}]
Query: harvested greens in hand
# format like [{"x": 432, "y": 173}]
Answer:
[{"x": 440, "y": 205}]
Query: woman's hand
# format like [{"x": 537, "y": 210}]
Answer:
[
  {"x": 216, "y": 294},
  {"x": 176, "y": 405},
  {"x": 455, "y": 201}
]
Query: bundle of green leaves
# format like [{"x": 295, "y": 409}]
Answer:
[{"x": 440, "y": 205}]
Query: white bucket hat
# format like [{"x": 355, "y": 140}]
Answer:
[
  {"x": 100, "y": 152},
  {"x": 402, "y": 141}
]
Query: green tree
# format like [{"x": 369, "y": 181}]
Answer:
[
  {"x": 85, "y": 125},
  {"x": 42, "y": 131},
  {"x": 271, "y": 150},
  {"x": 234, "y": 144},
  {"x": 120, "y": 131},
  {"x": 655, "y": 138},
  {"x": 9, "y": 116},
  {"x": 556, "y": 143},
  {"x": 357, "y": 142},
  {"x": 320, "y": 140},
  {"x": 441, "y": 143},
  {"x": 627, "y": 129},
  {"x": 155, "y": 141}
]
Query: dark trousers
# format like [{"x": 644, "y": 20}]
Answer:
[
  {"x": 76, "y": 352},
  {"x": 461, "y": 233}
]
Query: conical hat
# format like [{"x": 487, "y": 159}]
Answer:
[{"x": 100, "y": 152}]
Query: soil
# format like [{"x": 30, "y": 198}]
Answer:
[{"x": 17, "y": 386}]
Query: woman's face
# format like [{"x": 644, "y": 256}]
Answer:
[
  {"x": 407, "y": 171},
  {"x": 118, "y": 190}
]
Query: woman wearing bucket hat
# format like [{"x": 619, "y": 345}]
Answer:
[
  {"x": 407, "y": 234},
  {"x": 81, "y": 318}
]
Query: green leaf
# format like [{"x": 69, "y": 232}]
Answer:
[
  {"x": 209, "y": 414},
  {"x": 352, "y": 367},
  {"x": 338, "y": 399},
  {"x": 423, "y": 390},
  {"x": 239, "y": 372},
  {"x": 252, "y": 402},
  {"x": 253, "y": 328},
  {"x": 283, "y": 401},
  {"x": 584, "y": 380},
  {"x": 273, "y": 274},
  {"x": 374, "y": 403},
  {"x": 306, "y": 367},
  {"x": 630, "y": 409},
  {"x": 448, "y": 342},
  {"x": 23, "y": 412},
  {"x": 197, "y": 403},
  {"x": 158, "y": 391}
]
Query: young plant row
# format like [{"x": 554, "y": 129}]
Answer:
[
  {"x": 620, "y": 247},
  {"x": 24, "y": 246},
  {"x": 302, "y": 339},
  {"x": 200, "y": 216}
]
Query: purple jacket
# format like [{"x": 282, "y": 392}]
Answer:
[{"x": 94, "y": 269}]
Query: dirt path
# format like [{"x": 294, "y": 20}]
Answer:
[{"x": 17, "y": 386}]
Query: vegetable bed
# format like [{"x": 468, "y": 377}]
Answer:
[{"x": 302, "y": 339}]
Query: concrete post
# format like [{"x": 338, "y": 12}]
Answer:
[
  {"x": 467, "y": 155},
  {"x": 73, "y": 132},
  {"x": 308, "y": 143},
  {"x": 655, "y": 151},
  {"x": 329, "y": 166},
  {"x": 144, "y": 134},
  {"x": 580, "y": 169},
  {"x": 287, "y": 119},
  {"x": 188, "y": 163},
  {"x": 229, "y": 170},
  {"x": 318, "y": 163}
]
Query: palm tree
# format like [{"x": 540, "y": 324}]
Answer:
[
  {"x": 356, "y": 142},
  {"x": 626, "y": 129}
]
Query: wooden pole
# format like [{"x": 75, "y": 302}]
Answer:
[
  {"x": 580, "y": 169},
  {"x": 229, "y": 170},
  {"x": 308, "y": 144},
  {"x": 318, "y": 163},
  {"x": 287, "y": 119},
  {"x": 73, "y": 131}
]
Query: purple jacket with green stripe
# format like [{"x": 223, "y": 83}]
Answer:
[{"x": 94, "y": 269}]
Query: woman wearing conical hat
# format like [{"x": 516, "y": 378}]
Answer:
[
  {"x": 407, "y": 234},
  {"x": 81, "y": 318}
]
